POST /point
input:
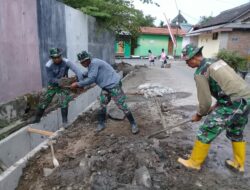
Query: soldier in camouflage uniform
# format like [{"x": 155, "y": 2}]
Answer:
[
  {"x": 215, "y": 78},
  {"x": 101, "y": 73},
  {"x": 57, "y": 68}
]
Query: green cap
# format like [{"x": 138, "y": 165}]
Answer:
[
  {"x": 55, "y": 52},
  {"x": 190, "y": 50},
  {"x": 83, "y": 56}
]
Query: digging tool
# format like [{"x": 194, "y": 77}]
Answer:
[
  {"x": 40, "y": 132},
  {"x": 168, "y": 129},
  {"x": 54, "y": 160},
  {"x": 46, "y": 133}
]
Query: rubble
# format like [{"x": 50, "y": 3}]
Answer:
[{"x": 150, "y": 90}]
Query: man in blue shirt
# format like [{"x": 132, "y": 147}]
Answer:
[
  {"x": 57, "y": 68},
  {"x": 101, "y": 73}
]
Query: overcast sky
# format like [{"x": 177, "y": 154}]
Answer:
[{"x": 190, "y": 9}]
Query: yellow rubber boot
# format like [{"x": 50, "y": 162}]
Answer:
[
  {"x": 239, "y": 151},
  {"x": 199, "y": 154}
]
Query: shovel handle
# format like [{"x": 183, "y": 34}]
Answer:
[
  {"x": 171, "y": 127},
  {"x": 40, "y": 132}
]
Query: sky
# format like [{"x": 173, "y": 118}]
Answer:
[{"x": 190, "y": 9}]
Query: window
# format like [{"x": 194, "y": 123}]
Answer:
[
  {"x": 235, "y": 38},
  {"x": 215, "y": 36}
]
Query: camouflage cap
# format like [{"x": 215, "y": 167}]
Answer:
[
  {"x": 190, "y": 50},
  {"x": 83, "y": 56},
  {"x": 55, "y": 52}
]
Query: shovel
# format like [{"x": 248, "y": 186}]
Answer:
[
  {"x": 46, "y": 133},
  {"x": 169, "y": 128},
  {"x": 54, "y": 160}
]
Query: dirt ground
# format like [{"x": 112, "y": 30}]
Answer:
[{"x": 116, "y": 159}]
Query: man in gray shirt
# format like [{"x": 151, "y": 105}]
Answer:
[
  {"x": 57, "y": 68},
  {"x": 101, "y": 73}
]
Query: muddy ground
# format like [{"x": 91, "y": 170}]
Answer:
[{"x": 116, "y": 159}]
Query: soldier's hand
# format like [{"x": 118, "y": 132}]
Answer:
[
  {"x": 212, "y": 108},
  {"x": 196, "y": 117},
  {"x": 74, "y": 85},
  {"x": 62, "y": 81}
]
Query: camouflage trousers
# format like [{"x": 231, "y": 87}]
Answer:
[
  {"x": 117, "y": 95},
  {"x": 63, "y": 97},
  {"x": 231, "y": 117}
]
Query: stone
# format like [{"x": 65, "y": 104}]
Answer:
[
  {"x": 115, "y": 113},
  {"x": 47, "y": 171},
  {"x": 142, "y": 177}
]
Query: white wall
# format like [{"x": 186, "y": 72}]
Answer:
[
  {"x": 76, "y": 33},
  {"x": 211, "y": 47}
]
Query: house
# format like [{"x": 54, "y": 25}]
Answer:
[
  {"x": 155, "y": 39},
  {"x": 229, "y": 30},
  {"x": 123, "y": 44}
]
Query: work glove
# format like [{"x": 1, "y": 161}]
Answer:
[{"x": 196, "y": 117}]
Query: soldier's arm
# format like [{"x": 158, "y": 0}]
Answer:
[
  {"x": 92, "y": 74},
  {"x": 50, "y": 76},
  {"x": 73, "y": 67},
  {"x": 204, "y": 95}
]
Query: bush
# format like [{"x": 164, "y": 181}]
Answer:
[{"x": 233, "y": 59}]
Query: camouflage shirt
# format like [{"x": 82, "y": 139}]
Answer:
[{"x": 215, "y": 78}]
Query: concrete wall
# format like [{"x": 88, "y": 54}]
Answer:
[
  {"x": 211, "y": 47},
  {"x": 19, "y": 49},
  {"x": 223, "y": 38},
  {"x": 100, "y": 41},
  {"x": 76, "y": 33},
  {"x": 51, "y": 28},
  {"x": 29, "y": 28}
]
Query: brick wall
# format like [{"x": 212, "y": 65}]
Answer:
[{"x": 239, "y": 41}]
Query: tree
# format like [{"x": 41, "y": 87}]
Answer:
[
  {"x": 116, "y": 15},
  {"x": 204, "y": 20},
  {"x": 161, "y": 24}
]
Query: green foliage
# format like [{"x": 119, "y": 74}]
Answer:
[
  {"x": 161, "y": 24},
  {"x": 233, "y": 59},
  {"x": 204, "y": 19},
  {"x": 116, "y": 15}
]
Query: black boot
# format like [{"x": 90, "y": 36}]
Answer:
[
  {"x": 37, "y": 117},
  {"x": 101, "y": 120},
  {"x": 64, "y": 112},
  {"x": 134, "y": 127}
]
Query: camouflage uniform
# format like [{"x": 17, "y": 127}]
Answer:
[
  {"x": 63, "y": 97},
  {"x": 231, "y": 112},
  {"x": 118, "y": 96}
]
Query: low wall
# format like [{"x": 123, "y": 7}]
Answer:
[{"x": 21, "y": 145}]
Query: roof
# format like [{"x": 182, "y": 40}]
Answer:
[
  {"x": 179, "y": 18},
  {"x": 228, "y": 15},
  {"x": 222, "y": 27},
  {"x": 160, "y": 31}
]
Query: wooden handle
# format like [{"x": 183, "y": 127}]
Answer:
[{"x": 40, "y": 132}]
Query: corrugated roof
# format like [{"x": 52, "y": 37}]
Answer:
[
  {"x": 161, "y": 31},
  {"x": 228, "y": 15},
  {"x": 222, "y": 27}
]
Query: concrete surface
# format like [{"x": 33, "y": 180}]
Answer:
[
  {"x": 19, "y": 146},
  {"x": 100, "y": 41},
  {"x": 51, "y": 29},
  {"x": 76, "y": 33},
  {"x": 18, "y": 49}
]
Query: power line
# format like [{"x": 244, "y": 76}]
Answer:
[
  {"x": 190, "y": 16},
  {"x": 176, "y": 5}
]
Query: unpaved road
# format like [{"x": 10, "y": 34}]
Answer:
[{"x": 111, "y": 159}]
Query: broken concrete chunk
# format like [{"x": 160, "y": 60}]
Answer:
[
  {"x": 142, "y": 177},
  {"x": 115, "y": 113},
  {"x": 47, "y": 171}
]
